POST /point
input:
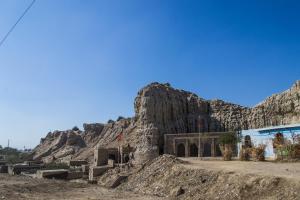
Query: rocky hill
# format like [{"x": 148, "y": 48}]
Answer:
[{"x": 161, "y": 109}]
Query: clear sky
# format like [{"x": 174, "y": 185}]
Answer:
[{"x": 75, "y": 61}]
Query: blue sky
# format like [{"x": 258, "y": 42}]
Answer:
[{"x": 75, "y": 61}]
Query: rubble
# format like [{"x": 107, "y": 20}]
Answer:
[{"x": 167, "y": 177}]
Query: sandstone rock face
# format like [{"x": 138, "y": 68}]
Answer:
[
  {"x": 92, "y": 132},
  {"x": 283, "y": 108},
  {"x": 58, "y": 145},
  {"x": 161, "y": 109},
  {"x": 227, "y": 117}
]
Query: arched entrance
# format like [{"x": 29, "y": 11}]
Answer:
[
  {"x": 207, "y": 150},
  {"x": 218, "y": 151},
  {"x": 112, "y": 156},
  {"x": 193, "y": 150},
  {"x": 247, "y": 140},
  {"x": 181, "y": 150}
]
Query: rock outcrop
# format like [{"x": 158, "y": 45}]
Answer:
[
  {"x": 161, "y": 109},
  {"x": 283, "y": 108},
  {"x": 59, "y": 145}
]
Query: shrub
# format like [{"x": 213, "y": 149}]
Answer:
[
  {"x": 229, "y": 138},
  {"x": 75, "y": 128},
  {"x": 227, "y": 144},
  {"x": 110, "y": 121},
  {"x": 286, "y": 149},
  {"x": 120, "y": 118},
  {"x": 245, "y": 153},
  {"x": 258, "y": 152}
]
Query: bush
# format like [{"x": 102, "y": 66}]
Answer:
[
  {"x": 110, "y": 121},
  {"x": 286, "y": 149},
  {"x": 75, "y": 128},
  {"x": 227, "y": 151},
  {"x": 245, "y": 153},
  {"x": 227, "y": 144},
  {"x": 120, "y": 118},
  {"x": 258, "y": 153},
  {"x": 229, "y": 138}
]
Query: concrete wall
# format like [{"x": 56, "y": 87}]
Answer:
[{"x": 100, "y": 156}]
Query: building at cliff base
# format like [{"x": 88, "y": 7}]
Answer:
[{"x": 266, "y": 136}]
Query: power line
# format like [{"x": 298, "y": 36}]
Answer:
[{"x": 15, "y": 24}]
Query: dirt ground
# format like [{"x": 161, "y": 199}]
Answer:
[
  {"x": 20, "y": 187},
  {"x": 268, "y": 168},
  {"x": 199, "y": 179}
]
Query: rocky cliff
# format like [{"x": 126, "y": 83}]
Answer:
[
  {"x": 283, "y": 108},
  {"x": 161, "y": 109}
]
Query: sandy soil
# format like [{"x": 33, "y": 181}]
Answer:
[
  {"x": 20, "y": 187},
  {"x": 286, "y": 170},
  {"x": 200, "y": 179}
]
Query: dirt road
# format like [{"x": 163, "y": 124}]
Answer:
[{"x": 286, "y": 170}]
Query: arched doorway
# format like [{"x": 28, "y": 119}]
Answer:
[
  {"x": 247, "y": 140},
  {"x": 218, "y": 151},
  {"x": 181, "y": 150},
  {"x": 112, "y": 156},
  {"x": 207, "y": 150},
  {"x": 193, "y": 150}
]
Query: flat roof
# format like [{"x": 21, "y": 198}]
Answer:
[
  {"x": 290, "y": 127},
  {"x": 202, "y": 133}
]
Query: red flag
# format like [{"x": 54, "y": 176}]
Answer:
[{"x": 120, "y": 137}]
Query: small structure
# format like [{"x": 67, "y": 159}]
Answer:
[
  {"x": 56, "y": 173},
  {"x": 107, "y": 158},
  {"x": 100, "y": 156},
  {"x": 193, "y": 144},
  {"x": 18, "y": 168},
  {"x": 267, "y": 135},
  {"x": 3, "y": 167}
]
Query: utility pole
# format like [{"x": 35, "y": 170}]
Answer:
[{"x": 8, "y": 143}]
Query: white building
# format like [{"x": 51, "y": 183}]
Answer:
[{"x": 266, "y": 135}]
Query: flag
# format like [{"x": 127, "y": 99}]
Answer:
[{"x": 120, "y": 137}]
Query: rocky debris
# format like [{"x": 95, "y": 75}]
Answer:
[
  {"x": 58, "y": 144},
  {"x": 92, "y": 131},
  {"x": 74, "y": 139},
  {"x": 149, "y": 178},
  {"x": 161, "y": 109},
  {"x": 166, "y": 177},
  {"x": 177, "y": 191},
  {"x": 116, "y": 181}
]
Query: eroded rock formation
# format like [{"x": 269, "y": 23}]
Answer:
[{"x": 161, "y": 109}]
